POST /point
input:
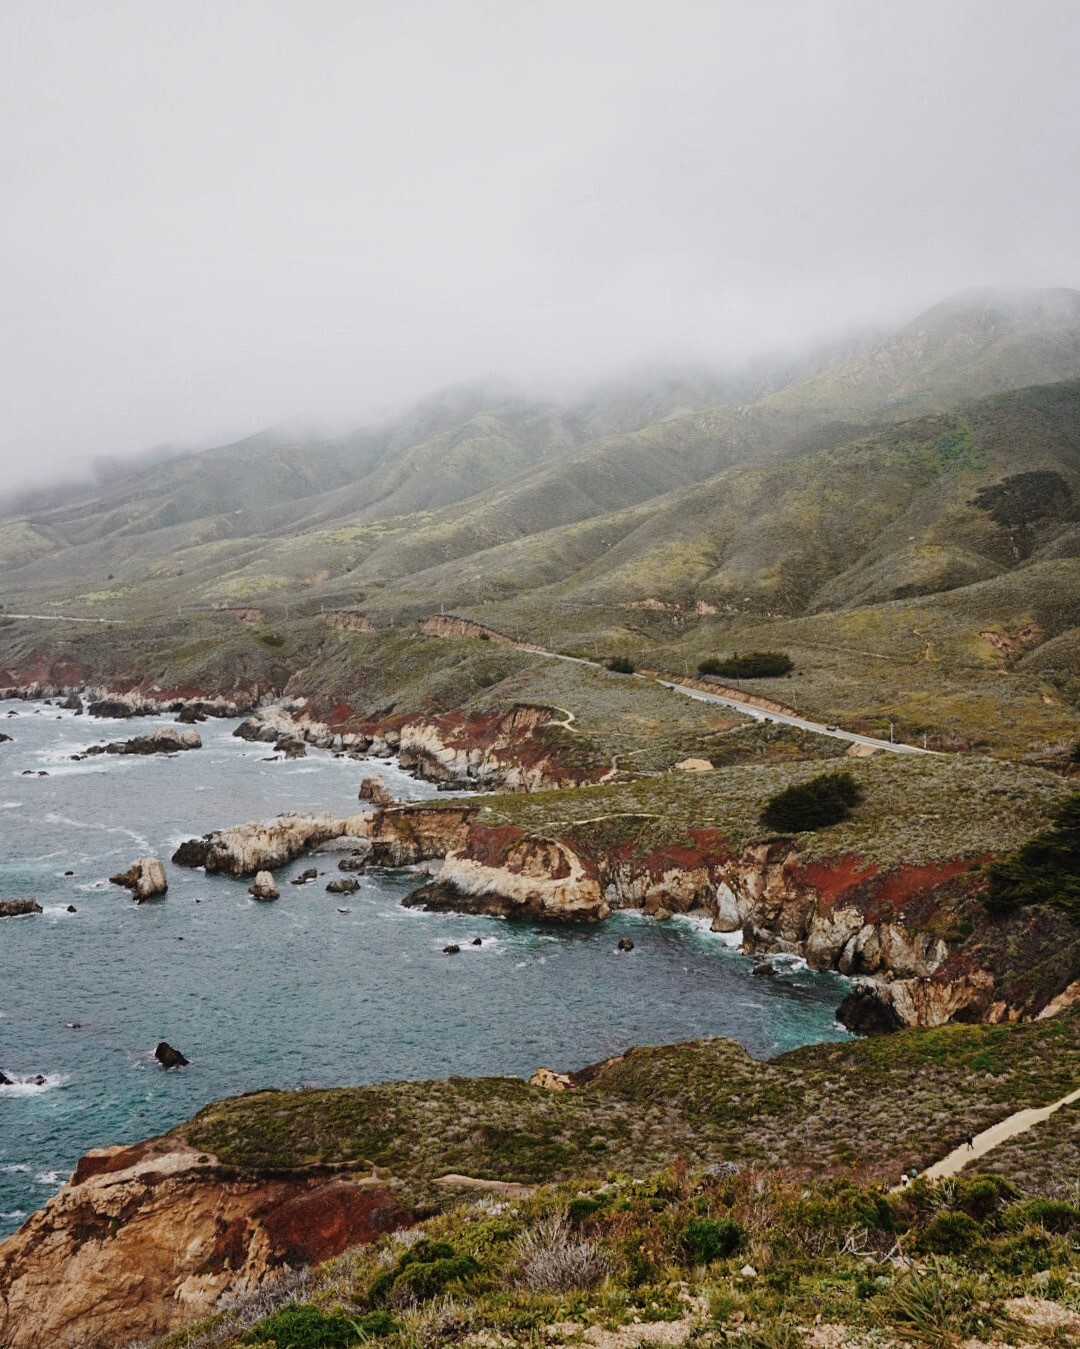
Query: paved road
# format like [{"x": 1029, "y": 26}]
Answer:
[
  {"x": 819, "y": 728},
  {"x": 801, "y": 722},
  {"x": 56, "y": 618}
]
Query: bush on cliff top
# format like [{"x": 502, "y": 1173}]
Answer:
[
  {"x": 754, "y": 665},
  {"x": 1046, "y": 870},
  {"x": 824, "y": 800}
]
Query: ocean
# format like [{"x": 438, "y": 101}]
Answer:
[{"x": 292, "y": 992}]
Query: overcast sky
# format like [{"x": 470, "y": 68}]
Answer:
[{"x": 222, "y": 213}]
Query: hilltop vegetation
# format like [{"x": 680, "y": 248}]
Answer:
[
  {"x": 665, "y": 1174},
  {"x": 903, "y": 522}
]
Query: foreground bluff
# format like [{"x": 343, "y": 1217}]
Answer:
[{"x": 145, "y": 1239}]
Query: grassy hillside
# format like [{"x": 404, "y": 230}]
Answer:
[{"x": 665, "y": 1176}]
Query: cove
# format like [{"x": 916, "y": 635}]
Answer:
[{"x": 293, "y": 992}]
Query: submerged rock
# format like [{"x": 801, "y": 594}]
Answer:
[
  {"x": 145, "y": 878},
  {"x": 264, "y": 887},
  {"x": 169, "y": 1057},
  {"x": 13, "y": 908}
]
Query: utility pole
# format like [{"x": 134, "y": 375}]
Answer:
[{"x": 890, "y": 733}]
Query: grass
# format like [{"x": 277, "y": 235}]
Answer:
[
  {"x": 827, "y": 1254},
  {"x": 868, "y": 1107}
]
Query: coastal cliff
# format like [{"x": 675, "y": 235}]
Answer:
[
  {"x": 148, "y": 1238},
  {"x": 915, "y": 936}
]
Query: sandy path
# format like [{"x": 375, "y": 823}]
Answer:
[{"x": 993, "y": 1137}]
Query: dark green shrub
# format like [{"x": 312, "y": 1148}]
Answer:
[
  {"x": 951, "y": 1234},
  {"x": 709, "y": 1239},
  {"x": 982, "y": 1196},
  {"x": 422, "y": 1271},
  {"x": 824, "y": 800},
  {"x": 755, "y": 665},
  {"x": 1046, "y": 870},
  {"x": 1055, "y": 1215},
  {"x": 578, "y": 1210},
  {"x": 377, "y": 1325},
  {"x": 302, "y": 1326},
  {"x": 621, "y": 665}
]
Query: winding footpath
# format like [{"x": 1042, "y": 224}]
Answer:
[{"x": 1018, "y": 1123}]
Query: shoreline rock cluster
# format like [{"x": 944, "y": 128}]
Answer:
[{"x": 166, "y": 740}]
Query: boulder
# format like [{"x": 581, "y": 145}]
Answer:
[
  {"x": 451, "y": 950},
  {"x": 763, "y": 970},
  {"x": 72, "y": 703},
  {"x": 192, "y": 853},
  {"x": 293, "y": 748},
  {"x": 112, "y": 707},
  {"x": 477, "y": 941},
  {"x": 12, "y": 908},
  {"x": 4, "y": 737},
  {"x": 625, "y": 944},
  {"x": 375, "y": 790},
  {"x": 5, "y": 1081},
  {"x": 165, "y": 740},
  {"x": 354, "y": 862},
  {"x": 189, "y": 715},
  {"x": 264, "y": 887},
  {"x": 145, "y": 878},
  {"x": 309, "y": 874},
  {"x": 343, "y": 885},
  {"x": 169, "y": 1057},
  {"x": 867, "y": 1012}
]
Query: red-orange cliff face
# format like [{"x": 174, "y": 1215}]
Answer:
[{"x": 148, "y": 1238}]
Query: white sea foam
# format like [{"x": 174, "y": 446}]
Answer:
[
  {"x": 702, "y": 924},
  {"x": 14, "y": 1168},
  {"x": 50, "y": 1178},
  {"x": 16, "y": 1215},
  {"x": 24, "y": 1085},
  {"x": 10, "y": 805},
  {"x": 137, "y": 839}
]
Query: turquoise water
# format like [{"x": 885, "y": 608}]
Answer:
[{"x": 294, "y": 992}]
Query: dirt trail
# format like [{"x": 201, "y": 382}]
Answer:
[{"x": 993, "y": 1137}]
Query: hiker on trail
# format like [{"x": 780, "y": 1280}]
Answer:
[
  {"x": 904, "y": 1180},
  {"x": 970, "y": 1143},
  {"x": 914, "y": 1172}
]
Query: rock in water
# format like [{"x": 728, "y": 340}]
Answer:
[
  {"x": 309, "y": 874},
  {"x": 354, "y": 862},
  {"x": 625, "y": 944},
  {"x": 12, "y": 908},
  {"x": 4, "y": 737},
  {"x": 344, "y": 885},
  {"x": 264, "y": 887},
  {"x": 5, "y": 1081},
  {"x": 477, "y": 941},
  {"x": 293, "y": 747},
  {"x": 145, "y": 878},
  {"x": 764, "y": 970},
  {"x": 192, "y": 853},
  {"x": 169, "y": 1057},
  {"x": 375, "y": 790},
  {"x": 452, "y": 950},
  {"x": 72, "y": 909},
  {"x": 166, "y": 740},
  {"x": 866, "y": 1012}
]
